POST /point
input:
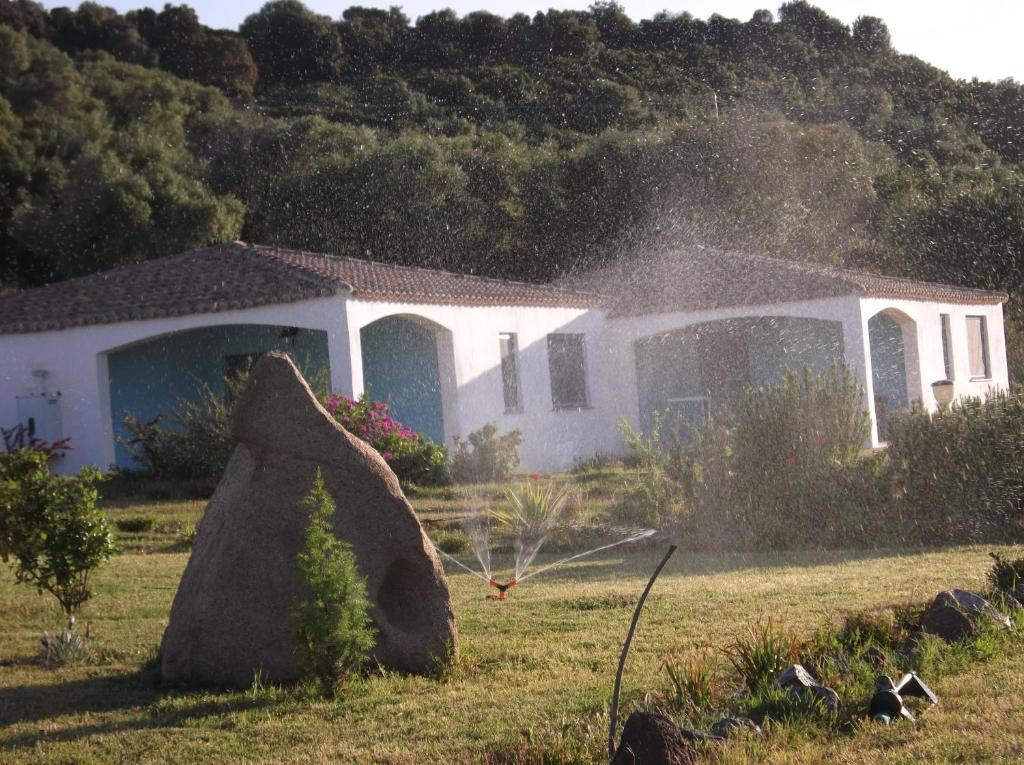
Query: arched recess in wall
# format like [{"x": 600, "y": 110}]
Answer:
[
  {"x": 708, "y": 366},
  {"x": 153, "y": 375},
  {"x": 895, "y": 376},
  {"x": 408, "y": 363}
]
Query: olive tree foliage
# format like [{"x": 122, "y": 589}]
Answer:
[{"x": 51, "y": 531}]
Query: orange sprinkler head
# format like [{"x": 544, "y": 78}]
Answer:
[{"x": 502, "y": 588}]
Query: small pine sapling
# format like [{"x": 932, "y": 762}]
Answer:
[{"x": 332, "y": 626}]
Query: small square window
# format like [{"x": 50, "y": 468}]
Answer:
[
  {"x": 567, "y": 368},
  {"x": 510, "y": 371},
  {"x": 977, "y": 348}
]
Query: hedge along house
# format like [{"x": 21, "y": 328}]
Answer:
[{"x": 683, "y": 332}]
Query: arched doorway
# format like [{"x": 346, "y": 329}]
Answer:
[
  {"x": 403, "y": 368},
  {"x": 889, "y": 334}
]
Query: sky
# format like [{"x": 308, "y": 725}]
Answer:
[{"x": 977, "y": 39}]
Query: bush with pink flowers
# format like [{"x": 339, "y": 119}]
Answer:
[{"x": 414, "y": 457}]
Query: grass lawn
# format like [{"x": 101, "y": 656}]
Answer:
[{"x": 533, "y": 676}]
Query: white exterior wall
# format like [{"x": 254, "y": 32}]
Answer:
[
  {"x": 553, "y": 439},
  {"x": 928, "y": 326},
  {"x": 470, "y": 363},
  {"x": 76, "y": 362}
]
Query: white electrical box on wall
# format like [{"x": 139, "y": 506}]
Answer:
[{"x": 41, "y": 416}]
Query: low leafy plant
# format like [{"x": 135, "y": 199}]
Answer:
[
  {"x": 414, "y": 458},
  {"x": 50, "y": 529},
  {"x": 332, "y": 626},
  {"x": 66, "y": 647},
  {"x": 761, "y": 654},
  {"x": 486, "y": 456},
  {"x": 186, "y": 535}
]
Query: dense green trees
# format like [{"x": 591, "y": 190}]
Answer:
[{"x": 524, "y": 147}]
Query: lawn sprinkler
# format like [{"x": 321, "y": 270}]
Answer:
[
  {"x": 887, "y": 703},
  {"x": 502, "y": 588}
]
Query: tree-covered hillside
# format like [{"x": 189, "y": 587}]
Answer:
[{"x": 523, "y": 147}]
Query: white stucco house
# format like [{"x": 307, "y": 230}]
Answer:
[{"x": 682, "y": 331}]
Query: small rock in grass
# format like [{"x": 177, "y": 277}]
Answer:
[
  {"x": 728, "y": 727},
  {"x": 795, "y": 677},
  {"x": 651, "y": 738}
]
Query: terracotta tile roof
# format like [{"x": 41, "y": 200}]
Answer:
[
  {"x": 237, "y": 275},
  {"x": 704, "y": 279}
]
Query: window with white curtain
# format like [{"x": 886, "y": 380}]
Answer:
[{"x": 977, "y": 348}]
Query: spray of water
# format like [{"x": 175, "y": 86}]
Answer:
[
  {"x": 477, "y": 526},
  {"x": 534, "y": 511},
  {"x": 636, "y": 537}
]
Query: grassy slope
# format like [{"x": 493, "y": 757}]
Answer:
[{"x": 537, "y": 667}]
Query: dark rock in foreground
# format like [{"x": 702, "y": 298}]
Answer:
[
  {"x": 653, "y": 739},
  {"x": 230, "y": 620}
]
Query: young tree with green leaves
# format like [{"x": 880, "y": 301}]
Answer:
[
  {"x": 333, "y": 629},
  {"x": 51, "y": 531}
]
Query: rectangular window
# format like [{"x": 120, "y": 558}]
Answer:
[
  {"x": 947, "y": 346},
  {"x": 567, "y": 367},
  {"x": 977, "y": 347},
  {"x": 510, "y": 371}
]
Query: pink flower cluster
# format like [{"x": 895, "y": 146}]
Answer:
[{"x": 371, "y": 421}]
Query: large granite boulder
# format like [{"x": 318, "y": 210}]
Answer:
[{"x": 231, "y": 616}]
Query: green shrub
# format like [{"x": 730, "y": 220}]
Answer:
[
  {"x": 414, "y": 458},
  {"x": 762, "y": 654},
  {"x": 786, "y": 472},
  {"x": 958, "y": 473},
  {"x": 193, "y": 442},
  {"x": 137, "y": 524},
  {"x": 452, "y": 541},
  {"x": 486, "y": 456},
  {"x": 50, "y": 529},
  {"x": 1005, "y": 574},
  {"x": 653, "y": 496},
  {"x": 332, "y": 626}
]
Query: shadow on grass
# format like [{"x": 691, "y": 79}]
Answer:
[{"x": 136, "y": 691}]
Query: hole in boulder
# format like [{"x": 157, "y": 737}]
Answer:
[{"x": 405, "y": 594}]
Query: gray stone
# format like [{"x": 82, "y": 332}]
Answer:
[
  {"x": 653, "y": 739},
  {"x": 734, "y": 726},
  {"x": 800, "y": 682},
  {"x": 230, "y": 617},
  {"x": 954, "y": 615},
  {"x": 828, "y": 697},
  {"x": 795, "y": 677}
]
